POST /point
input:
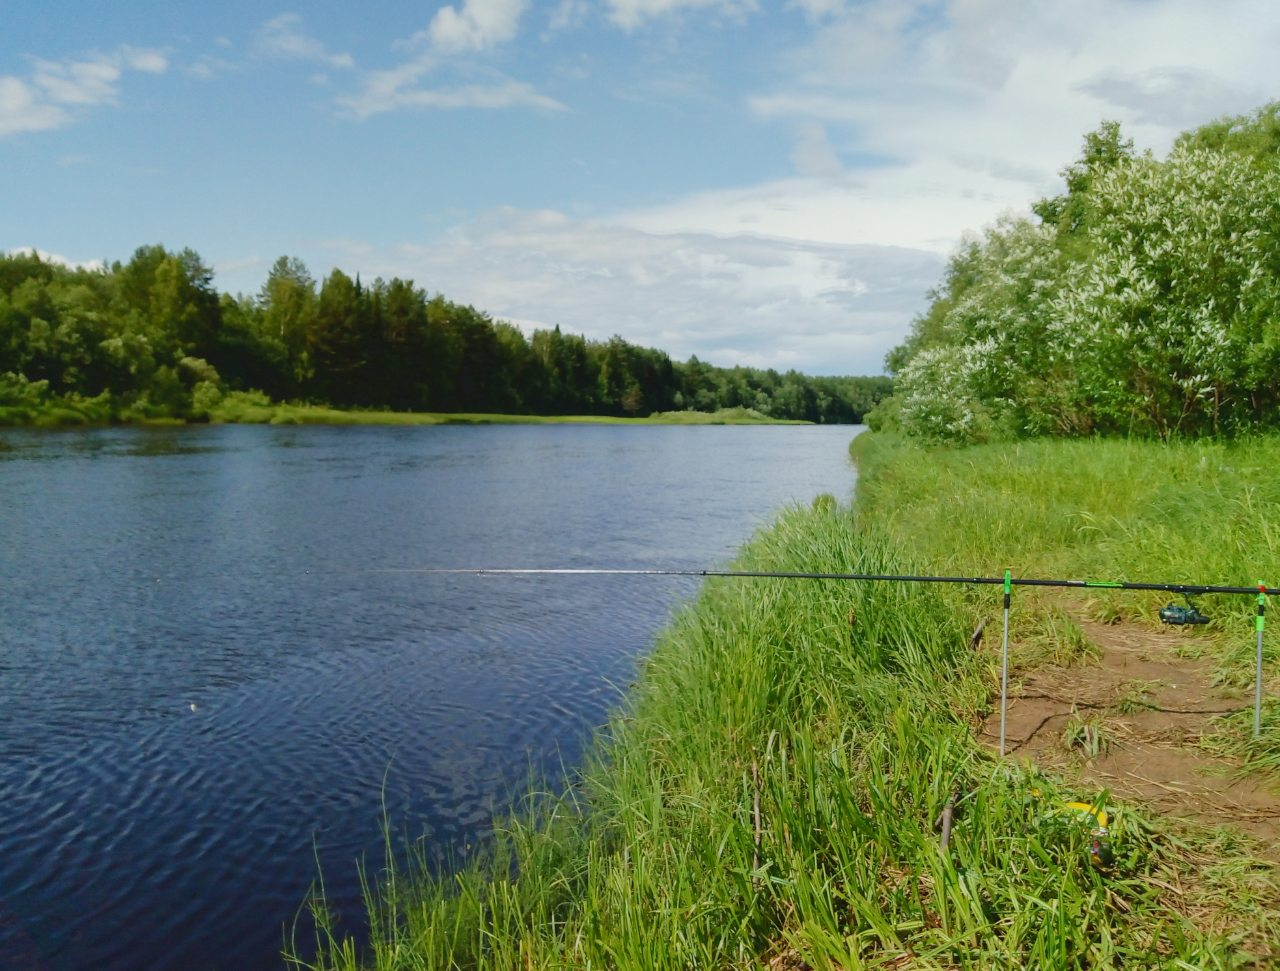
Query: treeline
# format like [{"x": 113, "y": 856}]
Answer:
[
  {"x": 1145, "y": 300},
  {"x": 153, "y": 338}
]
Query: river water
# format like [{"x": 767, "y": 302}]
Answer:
[{"x": 209, "y": 689}]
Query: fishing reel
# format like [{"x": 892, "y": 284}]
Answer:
[{"x": 1181, "y": 616}]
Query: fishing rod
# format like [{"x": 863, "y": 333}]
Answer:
[
  {"x": 1182, "y": 588},
  {"x": 1168, "y": 615}
]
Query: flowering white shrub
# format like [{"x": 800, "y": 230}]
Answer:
[
  {"x": 1156, "y": 312},
  {"x": 936, "y": 394},
  {"x": 1165, "y": 317}
]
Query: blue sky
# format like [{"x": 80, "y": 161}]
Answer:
[{"x": 775, "y": 185}]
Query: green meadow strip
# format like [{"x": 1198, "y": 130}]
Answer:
[
  {"x": 771, "y": 795},
  {"x": 256, "y": 409}
]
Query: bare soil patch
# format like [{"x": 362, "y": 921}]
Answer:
[{"x": 1131, "y": 722}]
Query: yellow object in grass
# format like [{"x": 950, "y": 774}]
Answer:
[{"x": 1099, "y": 814}]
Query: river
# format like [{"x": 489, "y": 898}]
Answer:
[{"x": 211, "y": 685}]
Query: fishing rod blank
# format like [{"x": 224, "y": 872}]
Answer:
[
  {"x": 1261, "y": 590},
  {"x": 1183, "y": 588}
]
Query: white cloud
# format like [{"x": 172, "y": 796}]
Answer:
[
  {"x": 144, "y": 59},
  {"x": 478, "y": 26},
  {"x": 568, "y": 14},
  {"x": 818, "y": 9},
  {"x": 244, "y": 266},
  {"x": 731, "y": 300},
  {"x": 22, "y": 109},
  {"x": 399, "y": 87},
  {"x": 61, "y": 260},
  {"x": 47, "y": 98},
  {"x": 813, "y": 155},
  {"x": 383, "y": 90},
  {"x": 79, "y": 82},
  {"x": 629, "y": 14},
  {"x": 509, "y": 94},
  {"x": 925, "y": 206},
  {"x": 1170, "y": 97},
  {"x": 944, "y": 115},
  {"x": 282, "y": 38},
  {"x": 1023, "y": 82},
  {"x": 208, "y": 67}
]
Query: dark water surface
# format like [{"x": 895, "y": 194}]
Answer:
[{"x": 204, "y": 688}]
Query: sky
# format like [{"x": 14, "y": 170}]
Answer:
[{"x": 775, "y": 185}]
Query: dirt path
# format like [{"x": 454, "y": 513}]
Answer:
[{"x": 1130, "y": 722}]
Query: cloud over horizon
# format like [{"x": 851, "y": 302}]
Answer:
[{"x": 730, "y": 300}]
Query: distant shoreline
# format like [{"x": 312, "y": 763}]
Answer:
[
  {"x": 292, "y": 414},
  {"x": 322, "y": 415}
]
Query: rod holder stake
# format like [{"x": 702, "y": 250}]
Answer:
[
  {"x": 1004, "y": 659},
  {"x": 1260, "y": 623}
]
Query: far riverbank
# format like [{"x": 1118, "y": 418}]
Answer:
[{"x": 256, "y": 409}]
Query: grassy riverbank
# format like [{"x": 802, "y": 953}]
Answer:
[{"x": 771, "y": 796}]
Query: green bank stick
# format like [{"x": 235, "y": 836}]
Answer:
[
  {"x": 1257, "y": 673},
  {"x": 1004, "y": 659}
]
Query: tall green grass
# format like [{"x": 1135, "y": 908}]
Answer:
[
  {"x": 1188, "y": 512},
  {"x": 1193, "y": 512},
  {"x": 771, "y": 794}
]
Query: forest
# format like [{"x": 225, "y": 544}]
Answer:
[
  {"x": 1143, "y": 301},
  {"x": 154, "y": 339}
]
